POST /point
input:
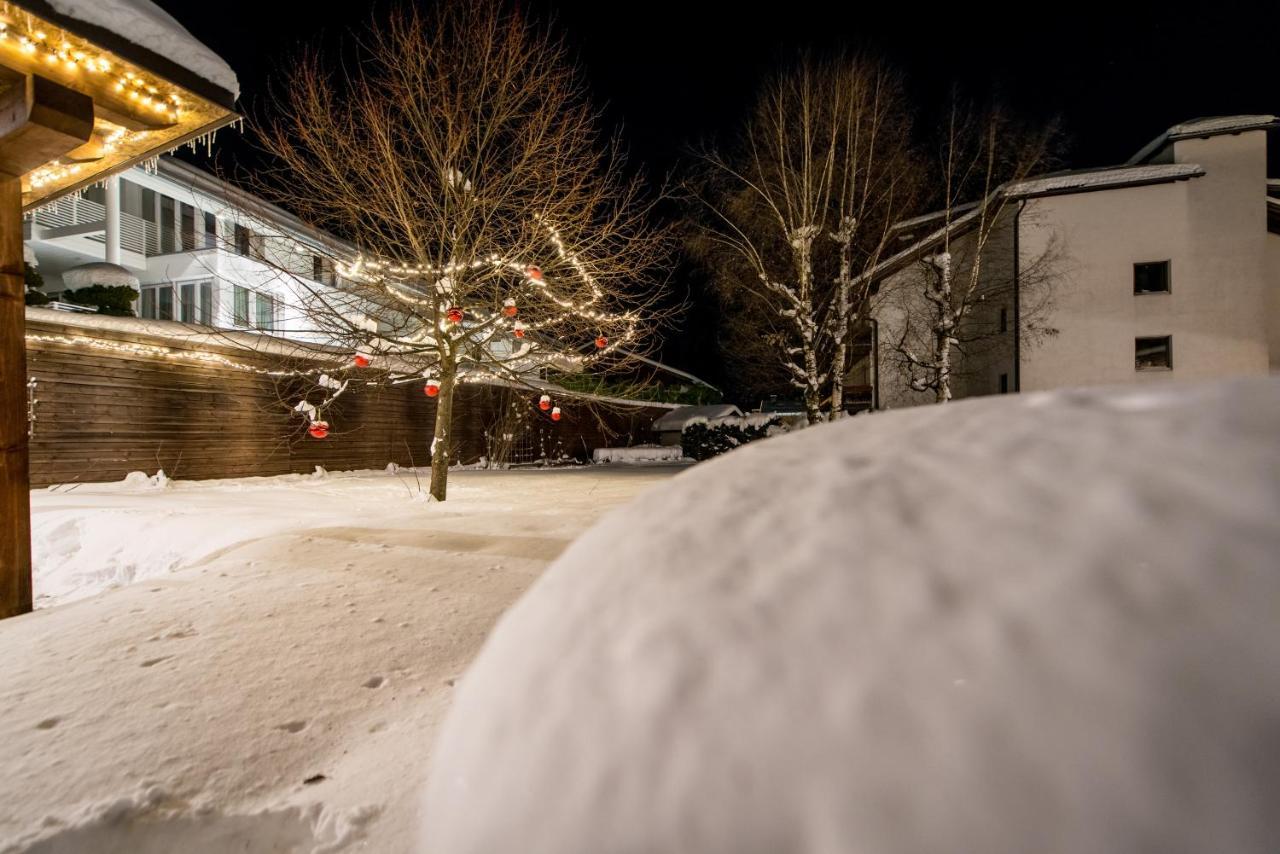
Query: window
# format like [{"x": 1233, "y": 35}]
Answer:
[
  {"x": 242, "y": 240},
  {"x": 1004, "y": 320},
  {"x": 240, "y": 309},
  {"x": 188, "y": 218},
  {"x": 168, "y": 226},
  {"x": 1151, "y": 277},
  {"x": 264, "y": 311},
  {"x": 210, "y": 230},
  {"x": 165, "y": 310},
  {"x": 1154, "y": 354},
  {"x": 197, "y": 303},
  {"x": 1004, "y": 383},
  {"x": 157, "y": 302}
]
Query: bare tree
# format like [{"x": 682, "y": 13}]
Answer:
[
  {"x": 938, "y": 304},
  {"x": 803, "y": 206},
  {"x": 490, "y": 232}
]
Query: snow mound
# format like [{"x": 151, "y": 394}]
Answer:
[
  {"x": 149, "y": 26},
  {"x": 154, "y": 822},
  {"x": 1039, "y": 623}
]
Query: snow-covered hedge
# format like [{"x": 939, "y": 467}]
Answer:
[
  {"x": 1025, "y": 623},
  {"x": 639, "y": 454},
  {"x": 704, "y": 438}
]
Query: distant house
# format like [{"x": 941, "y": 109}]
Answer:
[
  {"x": 199, "y": 250},
  {"x": 1170, "y": 269},
  {"x": 670, "y": 426}
]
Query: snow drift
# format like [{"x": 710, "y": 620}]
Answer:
[{"x": 1041, "y": 623}]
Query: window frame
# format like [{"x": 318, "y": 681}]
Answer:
[
  {"x": 1167, "y": 264},
  {"x": 1168, "y": 345}
]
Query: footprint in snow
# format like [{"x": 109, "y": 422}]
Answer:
[
  {"x": 151, "y": 662},
  {"x": 292, "y": 726},
  {"x": 49, "y": 723},
  {"x": 374, "y": 682}
]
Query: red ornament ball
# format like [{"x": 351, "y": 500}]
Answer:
[
  {"x": 454, "y": 315},
  {"x": 318, "y": 429},
  {"x": 361, "y": 360},
  {"x": 519, "y": 333},
  {"x": 534, "y": 272},
  {"x": 555, "y": 414},
  {"x": 601, "y": 342},
  {"x": 544, "y": 403},
  {"x": 509, "y": 309},
  {"x": 432, "y": 388}
]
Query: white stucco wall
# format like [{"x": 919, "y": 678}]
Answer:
[{"x": 1213, "y": 231}]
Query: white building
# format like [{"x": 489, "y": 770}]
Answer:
[
  {"x": 198, "y": 247},
  {"x": 1167, "y": 267}
]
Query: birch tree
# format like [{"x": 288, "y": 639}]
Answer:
[
  {"x": 489, "y": 231},
  {"x": 804, "y": 204},
  {"x": 981, "y": 159}
]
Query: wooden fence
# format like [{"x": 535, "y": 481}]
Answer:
[{"x": 112, "y": 399}]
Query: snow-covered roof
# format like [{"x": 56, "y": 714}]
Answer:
[
  {"x": 1102, "y": 179},
  {"x": 1210, "y": 126},
  {"x": 677, "y": 418},
  {"x": 1060, "y": 183},
  {"x": 147, "y": 26}
]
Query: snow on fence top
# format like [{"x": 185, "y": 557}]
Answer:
[
  {"x": 1042, "y": 622},
  {"x": 148, "y": 26}
]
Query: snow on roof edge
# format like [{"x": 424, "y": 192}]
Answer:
[
  {"x": 1203, "y": 127},
  {"x": 143, "y": 24}
]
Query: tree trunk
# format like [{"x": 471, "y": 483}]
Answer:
[
  {"x": 15, "y": 490},
  {"x": 844, "y": 237},
  {"x": 442, "y": 440},
  {"x": 802, "y": 248}
]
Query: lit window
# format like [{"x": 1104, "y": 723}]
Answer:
[
  {"x": 1154, "y": 354},
  {"x": 264, "y": 311},
  {"x": 1151, "y": 277},
  {"x": 240, "y": 308}
]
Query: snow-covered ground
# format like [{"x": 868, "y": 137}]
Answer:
[
  {"x": 273, "y": 678},
  {"x": 1044, "y": 623}
]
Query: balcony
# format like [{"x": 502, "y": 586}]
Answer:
[{"x": 74, "y": 217}]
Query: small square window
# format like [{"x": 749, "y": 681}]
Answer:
[
  {"x": 1151, "y": 277},
  {"x": 1154, "y": 354}
]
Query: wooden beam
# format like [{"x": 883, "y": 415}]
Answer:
[{"x": 39, "y": 122}]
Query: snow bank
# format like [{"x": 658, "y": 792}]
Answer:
[
  {"x": 639, "y": 454},
  {"x": 1038, "y": 623},
  {"x": 149, "y": 26}
]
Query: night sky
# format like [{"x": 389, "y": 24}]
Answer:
[{"x": 673, "y": 73}]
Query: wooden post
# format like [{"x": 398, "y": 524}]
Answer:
[
  {"x": 15, "y": 494},
  {"x": 39, "y": 121}
]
